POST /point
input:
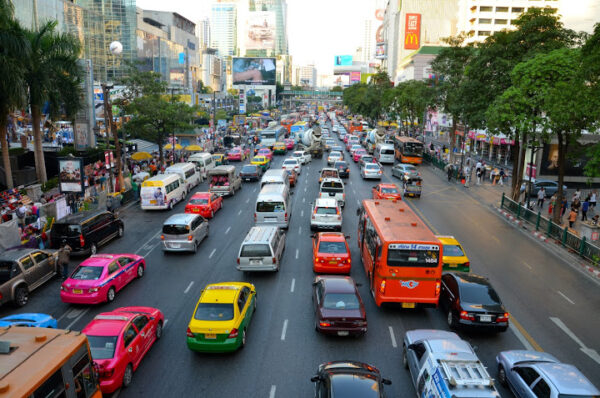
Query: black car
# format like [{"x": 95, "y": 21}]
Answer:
[
  {"x": 342, "y": 168},
  {"x": 348, "y": 379},
  {"x": 86, "y": 231},
  {"x": 471, "y": 302},
  {"x": 250, "y": 172}
]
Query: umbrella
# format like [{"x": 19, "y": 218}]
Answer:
[
  {"x": 141, "y": 156},
  {"x": 177, "y": 146},
  {"x": 193, "y": 148}
]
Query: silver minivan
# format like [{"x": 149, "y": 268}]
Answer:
[
  {"x": 273, "y": 206},
  {"x": 262, "y": 249},
  {"x": 275, "y": 176},
  {"x": 183, "y": 232},
  {"x": 326, "y": 214}
]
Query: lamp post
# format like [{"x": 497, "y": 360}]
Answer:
[
  {"x": 173, "y": 143},
  {"x": 215, "y": 117}
]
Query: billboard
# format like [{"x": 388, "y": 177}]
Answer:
[
  {"x": 260, "y": 30},
  {"x": 254, "y": 71},
  {"x": 412, "y": 32},
  {"x": 354, "y": 77},
  {"x": 343, "y": 60},
  {"x": 380, "y": 50},
  {"x": 70, "y": 175}
]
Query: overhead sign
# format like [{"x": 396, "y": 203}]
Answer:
[
  {"x": 261, "y": 30},
  {"x": 343, "y": 60},
  {"x": 412, "y": 32}
]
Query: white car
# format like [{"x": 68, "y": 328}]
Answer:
[
  {"x": 333, "y": 188},
  {"x": 326, "y": 214},
  {"x": 302, "y": 156},
  {"x": 371, "y": 171},
  {"x": 292, "y": 164},
  {"x": 334, "y": 156}
]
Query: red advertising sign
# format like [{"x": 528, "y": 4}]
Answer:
[{"x": 412, "y": 32}]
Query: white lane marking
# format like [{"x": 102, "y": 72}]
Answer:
[
  {"x": 393, "y": 337},
  {"x": 303, "y": 200},
  {"x": 212, "y": 253},
  {"x": 350, "y": 182},
  {"x": 565, "y": 297},
  {"x": 78, "y": 318},
  {"x": 165, "y": 323},
  {"x": 67, "y": 312},
  {"x": 358, "y": 202},
  {"x": 187, "y": 289},
  {"x": 247, "y": 200},
  {"x": 293, "y": 285},
  {"x": 299, "y": 230},
  {"x": 228, "y": 229},
  {"x": 254, "y": 190},
  {"x": 304, "y": 189},
  {"x": 520, "y": 337},
  {"x": 587, "y": 351},
  {"x": 527, "y": 265},
  {"x": 272, "y": 392},
  {"x": 297, "y": 252},
  {"x": 284, "y": 329},
  {"x": 148, "y": 241},
  {"x": 302, "y": 213},
  {"x": 239, "y": 212},
  {"x": 74, "y": 313}
]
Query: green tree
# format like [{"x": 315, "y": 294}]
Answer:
[
  {"x": 52, "y": 75},
  {"x": 337, "y": 89},
  {"x": 591, "y": 68},
  {"x": 13, "y": 46},
  {"x": 407, "y": 102}
]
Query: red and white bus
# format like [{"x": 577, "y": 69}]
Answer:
[{"x": 401, "y": 255}]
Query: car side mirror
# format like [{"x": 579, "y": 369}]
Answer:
[
  {"x": 358, "y": 212},
  {"x": 411, "y": 347},
  {"x": 386, "y": 382},
  {"x": 314, "y": 379}
]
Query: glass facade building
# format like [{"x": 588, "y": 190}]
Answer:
[
  {"x": 223, "y": 28},
  {"x": 162, "y": 56}
]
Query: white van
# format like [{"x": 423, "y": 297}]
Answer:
[
  {"x": 188, "y": 172},
  {"x": 162, "y": 192},
  {"x": 275, "y": 176},
  {"x": 203, "y": 161},
  {"x": 262, "y": 249},
  {"x": 384, "y": 153},
  {"x": 273, "y": 206}
]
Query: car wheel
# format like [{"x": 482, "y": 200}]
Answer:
[
  {"x": 450, "y": 319},
  {"x": 127, "y": 376},
  {"x": 404, "y": 357},
  {"x": 232, "y": 191},
  {"x": 243, "y": 338},
  {"x": 93, "y": 249},
  {"x": 140, "y": 271},
  {"x": 212, "y": 213},
  {"x": 171, "y": 205},
  {"x": 120, "y": 232},
  {"x": 502, "y": 375},
  {"x": 110, "y": 296},
  {"x": 255, "y": 300},
  {"x": 221, "y": 205},
  {"x": 159, "y": 331},
  {"x": 21, "y": 296}
]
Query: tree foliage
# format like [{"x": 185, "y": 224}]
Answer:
[{"x": 407, "y": 102}]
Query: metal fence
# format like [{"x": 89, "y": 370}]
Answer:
[{"x": 552, "y": 230}]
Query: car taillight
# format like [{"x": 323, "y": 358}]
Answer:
[
  {"x": 189, "y": 333},
  {"x": 254, "y": 217},
  {"x": 324, "y": 324},
  {"x": 379, "y": 172},
  {"x": 466, "y": 316},
  {"x": 81, "y": 240},
  {"x": 382, "y": 287},
  {"x": 166, "y": 199},
  {"x": 349, "y": 260},
  {"x": 106, "y": 373},
  {"x": 162, "y": 237},
  {"x": 61, "y": 288},
  {"x": 190, "y": 237},
  {"x": 233, "y": 334},
  {"x": 437, "y": 288},
  {"x": 467, "y": 264},
  {"x": 503, "y": 318},
  {"x": 285, "y": 216}
]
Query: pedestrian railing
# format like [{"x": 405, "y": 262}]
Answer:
[{"x": 552, "y": 230}]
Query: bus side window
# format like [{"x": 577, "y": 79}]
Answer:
[
  {"x": 378, "y": 256},
  {"x": 53, "y": 387},
  {"x": 85, "y": 384}
]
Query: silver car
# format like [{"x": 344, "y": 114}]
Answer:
[
  {"x": 184, "y": 232},
  {"x": 326, "y": 214},
  {"x": 371, "y": 171},
  {"x": 402, "y": 170}
]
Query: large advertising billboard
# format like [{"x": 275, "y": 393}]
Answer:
[
  {"x": 260, "y": 30},
  {"x": 254, "y": 71},
  {"x": 380, "y": 51},
  {"x": 70, "y": 175},
  {"x": 342, "y": 60},
  {"x": 354, "y": 77},
  {"x": 412, "y": 32}
]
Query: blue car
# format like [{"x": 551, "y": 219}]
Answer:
[
  {"x": 531, "y": 373},
  {"x": 29, "y": 320}
]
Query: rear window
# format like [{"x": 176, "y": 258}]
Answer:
[
  {"x": 389, "y": 190},
  {"x": 175, "y": 229},
  {"x": 102, "y": 347},
  {"x": 341, "y": 301},
  {"x": 332, "y": 186},
  {"x": 341, "y": 165},
  {"x": 87, "y": 273},
  {"x": 255, "y": 250},
  {"x": 214, "y": 312},
  {"x": 270, "y": 207},
  {"x": 478, "y": 294},
  {"x": 332, "y": 247},
  {"x": 453, "y": 251},
  {"x": 387, "y": 151},
  {"x": 249, "y": 169},
  {"x": 198, "y": 201},
  {"x": 372, "y": 167},
  {"x": 326, "y": 210},
  {"x": 412, "y": 258},
  {"x": 66, "y": 230},
  {"x": 291, "y": 161}
]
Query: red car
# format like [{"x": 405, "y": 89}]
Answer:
[
  {"x": 266, "y": 152},
  {"x": 289, "y": 143},
  {"x": 236, "y": 154},
  {"x": 386, "y": 191},
  {"x": 331, "y": 253},
  {"x": 204, "y": 203},
  {"x": 358, "y": 154},
  {"x": 119, "y": 339},
  {"x": 339, "y": 310}
]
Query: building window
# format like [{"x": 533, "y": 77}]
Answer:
[
  {"x": 518, "y": 9},
  {"x": 501, "y": 21},
  {"x": 483, "y": 33},
  {"x": 485, "y": 9},
  {"x": 501, "y": 9},
  {"x": 485, "y": 20}
]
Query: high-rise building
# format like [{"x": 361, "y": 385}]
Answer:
[
  {"x": 307, "y": 76},
  {"x": 203, "y": 33},
  {"x": 279, "y": 8},
  {"x": 368, "y": 41},
  {"x": 223, "y": 28}
]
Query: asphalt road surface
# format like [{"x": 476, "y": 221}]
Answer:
[{"x": 553, "y": 306}]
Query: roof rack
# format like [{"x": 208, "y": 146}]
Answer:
[{"x": 466, "y": 373}]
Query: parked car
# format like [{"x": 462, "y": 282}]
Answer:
[
  {"x": 551, "y": 187},
  {"x": 345, "y": 379}
]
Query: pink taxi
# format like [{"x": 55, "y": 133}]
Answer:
[
  {"x": 236, "y": 154},
  {"x": 358, "y": 154},
  {"x": 289, "y": 143},
  {"x": 266, "y": 152},
  {"x": 98, "y": 278},
  {"x": 119, "y": 339}
]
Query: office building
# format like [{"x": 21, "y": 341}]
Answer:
[
  {"x": 307, "y": 76},
  {"x": 223, "y": 28},
  {"x": 203, "y": 33},
  {"x": 368, "y": 42}
]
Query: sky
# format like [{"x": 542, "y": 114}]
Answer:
[{"x": 318, "y": 30}]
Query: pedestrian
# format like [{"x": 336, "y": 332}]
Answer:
[
  {"x": 584, "y": 208},
  {"x": 577, "y": 194},
  {"x": 593, "y": 200},
  {"x": 478, "y": 176},
  {"x": 21, "y": 213},
  {"x": 63, "y": 259},
  {"x": 540, "y": 198},
  {"x": 572, "y": 217},
  {"x": 563, "y": 207},
  {"x": 552, "y": 205},
  {"x": 450, "y": 170},
  {"x": 501, "y": 176},
  {"x": 576, "y": 205}
]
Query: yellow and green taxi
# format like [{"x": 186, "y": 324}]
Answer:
[
  {"x": 221, "y": 317},
  {"x": 261, "y": 161},
  {"x": 454, "y": 257},
  {"x": 219, "y": 159},
  {"x": 279, "y": 148}
]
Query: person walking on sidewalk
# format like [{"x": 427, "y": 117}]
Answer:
[
  {"x": 572, "y": 217},
  {"x": 501, "y": 174},
  {"x": 552, "y": 205},
  {"x": 540, "y": 196},
  {"x": 593, "y": 200},
  {"x": 584, "y": 208}
]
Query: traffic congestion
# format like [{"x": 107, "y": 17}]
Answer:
[{"x": 306, "y": 265}]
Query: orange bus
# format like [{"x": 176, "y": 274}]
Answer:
[
  {"x": 40, "y": 362},
  {"x": 408, "y": 150},
  {"x": 401, "y": 255},
  {"x": 354, "y": 125}
]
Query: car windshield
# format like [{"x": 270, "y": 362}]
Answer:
[
  {"x": 341, "y": 301},
  {"x": 453, "y": 251},
  {"x": 214, "y": 312},
  {"x": 249, "y": 169},
  {"x": 102, "y": 347},
  {"x": 175, "y": 229},
  {"x": 87, "y": 273},
  {"x": 387, "y": 151},
  {"x": 270, "y": 207},
  {"x": 326, "y": 210},
  {"x": 66, "y": 230},
  {"x": 332, "y": 247},
  {"x": 255, "y": 250},
  {"x": 389, "y": 190},
  {"x": 199, "y": 201},
  {"x": 478, "y": 294}
]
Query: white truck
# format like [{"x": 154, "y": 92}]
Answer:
[
  {"x": 312, "y": 141},
  {"x": 374, "y": 137},
  {"x": 442, "y": 365}
]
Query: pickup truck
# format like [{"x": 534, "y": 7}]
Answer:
[{"x": 224, "y": 180}]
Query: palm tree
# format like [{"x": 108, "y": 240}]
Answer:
[
  {"x": 12, "y": 86},
  {"x": 52, "y": 75}
]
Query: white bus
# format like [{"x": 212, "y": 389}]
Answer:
[
  {"x": 162, "y": 192},
  {"x": 188, "y": 172},
  {"x": 270, "y": 136}
]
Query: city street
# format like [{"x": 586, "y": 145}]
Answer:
[{"x": 553, "y": 306}]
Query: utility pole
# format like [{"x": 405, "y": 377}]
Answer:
[
  {"x": 173, "y": 143},
  {"x": 108, "y": 120}
]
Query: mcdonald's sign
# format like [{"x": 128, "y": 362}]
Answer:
[{"x": 412, "y": 32}]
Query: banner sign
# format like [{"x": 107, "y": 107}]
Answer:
[{"x": 412, "y": 32}]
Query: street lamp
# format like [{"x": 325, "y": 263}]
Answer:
[{"x": 173, "y": 134}]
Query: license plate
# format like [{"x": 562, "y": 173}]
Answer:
[
  {"x": 77, "y": 291},
  {"x": 210, "y": 335},
  {"x": 453, "y": 265},
  {"x": 485, "y": 318},
  {"x": 255, "y": 262},
  {"x": 333, "y": 262},
  {"x": 408, "y": 305},
  {"x": 153, "y": 202},
  {"x": 343, "y": 333},
  {"x": 175, "y": 245},
  {"x": 246, "y": 179}
]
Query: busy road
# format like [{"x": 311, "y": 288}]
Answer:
[{"x": 553, "y": 307}]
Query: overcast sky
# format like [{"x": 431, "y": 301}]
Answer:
[{"x": 318, "y": 30}]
